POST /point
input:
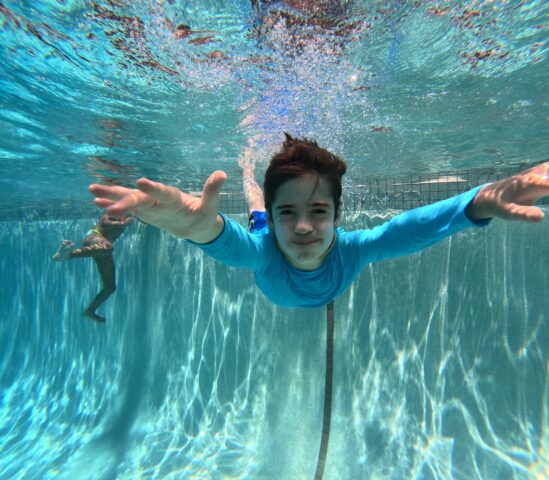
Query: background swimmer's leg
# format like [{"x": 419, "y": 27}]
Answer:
[
  {"x": 252, "y": 191},
  {"x": 95, "y": 250},
  {"x": 64, "y": 251},
  {"x": 105, "y": 266}
]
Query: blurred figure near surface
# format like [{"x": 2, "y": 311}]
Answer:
[{"x": 98, "y": 244}]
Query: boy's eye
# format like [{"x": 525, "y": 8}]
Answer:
[
  {"x": 320, "y": 211},
  {"x": 286, "y": 211}
]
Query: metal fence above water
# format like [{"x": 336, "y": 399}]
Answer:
[{"x": 372, "y": 194}]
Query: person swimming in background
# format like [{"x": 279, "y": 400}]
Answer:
[{"x": 98, "y": 244}]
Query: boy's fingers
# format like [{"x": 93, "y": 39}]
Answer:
[
  {"x": 537, "y": 179},
  {"x": 147, "y": 186},
  {"x": 524, "y": 213},
  {"x": 103, "y": 202},
  {"x": 541, "y": 170},
  {"x": 115, "y": 209},
  {"x": 120, "y": 200},
  {"x": 532, "y": 191},
  {"x": 212, "y": 189},
  {"x": 132, "y": 202},
  {"x": 110, "y": 192},
  {"x": 158, "y": 191}
]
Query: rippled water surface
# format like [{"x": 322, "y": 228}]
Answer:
[{"x": 172, "y": 89}]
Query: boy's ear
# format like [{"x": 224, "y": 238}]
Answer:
[
  {"x": 337, "y": 216},
  {"x": 270, "y": 222}
]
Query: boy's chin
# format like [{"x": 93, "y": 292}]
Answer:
[{"x": 306, "y": 262}]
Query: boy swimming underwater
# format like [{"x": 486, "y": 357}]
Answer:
[{"x": 303, "y": 259}]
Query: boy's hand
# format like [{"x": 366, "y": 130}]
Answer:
[
  {"x": 512, "y": 198},
  {"x": 167, "y": 207}
]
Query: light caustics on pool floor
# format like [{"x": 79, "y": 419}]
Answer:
[{"x": 440, "y": 365}]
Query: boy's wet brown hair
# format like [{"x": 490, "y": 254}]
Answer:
[{"x": 298, "y": 157}]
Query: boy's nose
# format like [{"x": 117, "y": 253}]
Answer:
[{"x": 303, "y": 225}]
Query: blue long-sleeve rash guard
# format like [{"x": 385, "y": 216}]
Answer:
[{"x": 287, "y": 286}]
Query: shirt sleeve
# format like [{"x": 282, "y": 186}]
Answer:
[
  {"x": 417, "y": 229},
  {"x": 236, "y": 247}
]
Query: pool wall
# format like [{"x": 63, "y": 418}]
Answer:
[{"x": 440, "y": 364}]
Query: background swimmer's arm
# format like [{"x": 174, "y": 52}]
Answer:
[
  {"x": 168, "y": 208},
  {"x": 512, "y": 198}
]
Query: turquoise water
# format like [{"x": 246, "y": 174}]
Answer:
[
  {"x": 440, "y": 359},
  {"x": 85, "y": 85},
  {"x": 440, "y": 365}
]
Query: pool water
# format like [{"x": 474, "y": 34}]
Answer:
[
  {"x": 439, "y": 371},
  {"x": 441, "y": 358}
]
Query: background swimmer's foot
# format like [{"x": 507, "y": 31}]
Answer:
[
  {"x": 64, "y": 251},
  {"x": 94, "y": 316}
]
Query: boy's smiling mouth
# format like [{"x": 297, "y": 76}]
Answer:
[{"x": 306, "y": 242}]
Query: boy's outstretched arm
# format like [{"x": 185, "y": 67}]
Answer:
[
  {"x": 167, "y": 207},
  {"x": 512, "y": 198}
]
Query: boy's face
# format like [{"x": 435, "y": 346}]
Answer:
[{"x": 303, "y": 220}]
